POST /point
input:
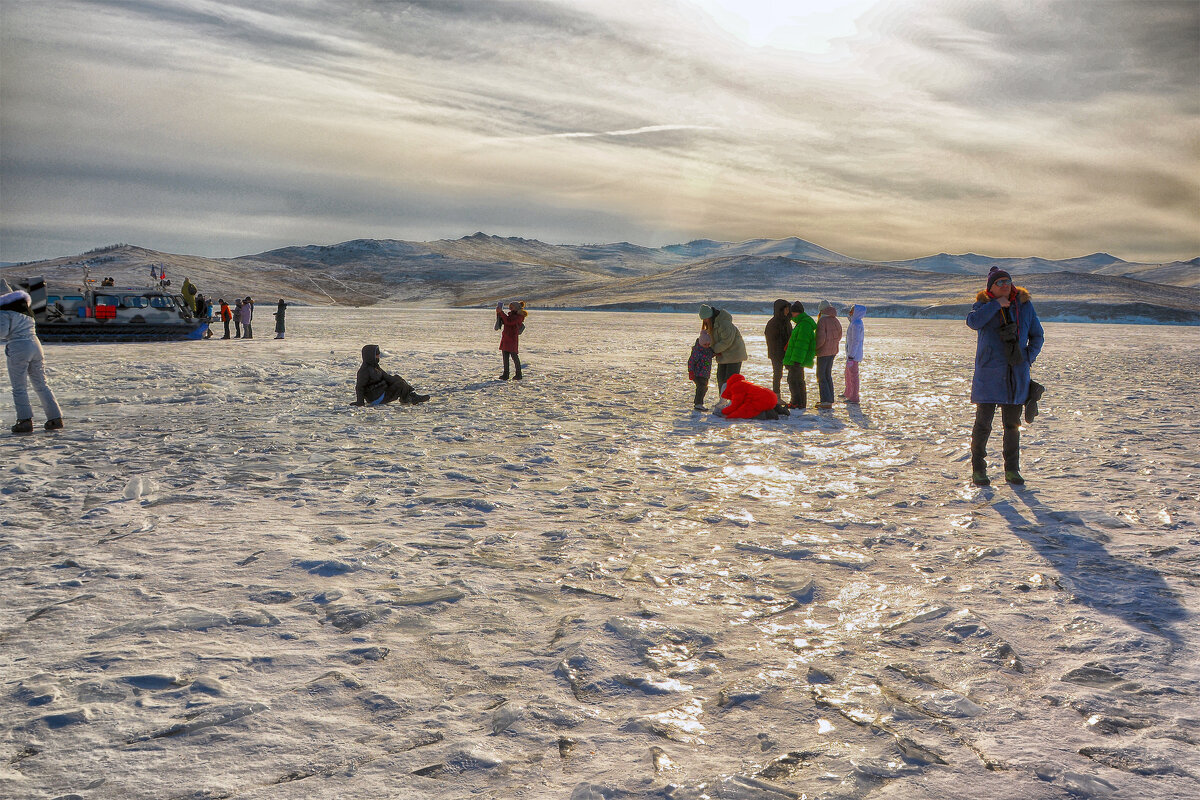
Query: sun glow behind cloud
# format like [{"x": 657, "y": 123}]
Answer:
[{"x": 808, "y": 26}]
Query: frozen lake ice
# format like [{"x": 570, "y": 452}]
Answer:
[{"x": 222, "y": 580}]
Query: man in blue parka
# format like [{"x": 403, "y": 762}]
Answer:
[{"x": 1009, "y": 340}]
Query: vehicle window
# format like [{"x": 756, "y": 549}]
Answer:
[
  {"x": 73, "y": 298},
  {"x": 52, "y": 299},
  {"x": 160, "y": 302},
  {"x": 129, "y": 301},
  {"x": 107, "y": 300}
]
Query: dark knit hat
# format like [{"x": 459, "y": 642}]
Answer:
[
  {"x": 995, "y": 274},
  {"x": 797, "y": 307}
]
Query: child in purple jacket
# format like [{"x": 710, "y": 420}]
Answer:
[{"x": 700, "y": 365}]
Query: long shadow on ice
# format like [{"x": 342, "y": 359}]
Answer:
[{"x": 1110, "y": 584}]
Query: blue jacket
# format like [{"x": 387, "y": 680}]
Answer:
[{"x": 995, "y": 380}]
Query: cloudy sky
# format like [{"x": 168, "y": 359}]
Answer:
[{"x": 882, "y": 129}]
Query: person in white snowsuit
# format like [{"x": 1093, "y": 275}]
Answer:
[{"x": 25, "y": 359}]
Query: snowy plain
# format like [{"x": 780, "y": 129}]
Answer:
[{"x": 222, "y": 580}]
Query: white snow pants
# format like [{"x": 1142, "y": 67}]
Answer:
[{"x": 25, "y": 366}]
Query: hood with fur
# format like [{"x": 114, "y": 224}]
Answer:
[{"x": 1022, "y": 295}]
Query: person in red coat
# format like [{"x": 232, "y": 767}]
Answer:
[
  {"x": 746, "y": 400},
  {"x": 513, "y": 323}
]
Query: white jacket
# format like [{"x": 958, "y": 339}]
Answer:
[{"x": 15, "y": 326}]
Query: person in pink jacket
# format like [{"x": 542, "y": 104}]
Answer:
[{"x": 829, "y": 336}]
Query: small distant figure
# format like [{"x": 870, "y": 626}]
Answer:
[
  {"x": 374, "y": 387},
  {"x": 1008, "y": 341},
  {"x": 108, "y": 282},
  {"x": 237, "y": 318},
  {"x": 855, "y": 333},
  {"x": 227, "y": 315},
  {"x": 801, "y": 350},
  {"x": 778, "y": 332},
  {"x": 513, "y": 324},
  {"x": 247, "y": 318},
  {"x": 829, "y": 336},
  {"x": 700, "y": 364},
  {"x": 728, "y": 345},
  {"x": 25, "y": 360},
  {"x": 748, "y": 400},
  {"x": 207, "y": 305},
  {"x": 279, "y": 312}
]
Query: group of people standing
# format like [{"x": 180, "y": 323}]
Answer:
[
  {"x": 795, "y": 341},
  {"x": 1008, "y": 340}
]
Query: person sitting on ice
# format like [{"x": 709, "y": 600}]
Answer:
[
  {"x": 375, "y": 387},
  {"x": 748, "y": 400}
]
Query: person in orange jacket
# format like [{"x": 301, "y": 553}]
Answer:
[{"x": 226, "y": 316}]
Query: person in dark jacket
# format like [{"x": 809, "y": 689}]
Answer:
[
  {"x": 778, "y": 332},
  {"x": 374, "y": 387},
  {"x": 279, "y": 312},
  {"x": 1008, "y": 339}
]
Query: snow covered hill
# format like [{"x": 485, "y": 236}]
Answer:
[{"x": 481, "y": 269}]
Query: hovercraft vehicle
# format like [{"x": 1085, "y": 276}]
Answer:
[{"x": 110, "y": 313}]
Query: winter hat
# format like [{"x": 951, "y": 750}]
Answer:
[
  {"x": 995, "y": 274},
  {"x": 797, "y": 307},
  {"x": 705, "y": 340},
  {"x": 822, "y": 306},
  {"x": 13, "y": 296},
  {"x": 706, "y": 312}
]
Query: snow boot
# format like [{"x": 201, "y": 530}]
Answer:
[
  {"x": 55, "y": 424},
  {"x": 1014, "y": 477},
  {"x": 518, "y": 376},
  {"x": 23, "y": 426},
  {"x": 980, "y": 478},
  {"x": 417, "y": 399}
]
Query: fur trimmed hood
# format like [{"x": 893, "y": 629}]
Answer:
[{"x": 1022, "y": 295}]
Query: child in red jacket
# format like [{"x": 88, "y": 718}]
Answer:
[{"x": 747, "y": 400}]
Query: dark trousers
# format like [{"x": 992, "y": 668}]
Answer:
[
  {"x": 725, "y": 370},
  {"x": 516, "y": 361},
  {"x": 1010, "y": 416},
  {"x": 799, "y": 391},
  {"x": 237, "y": 327},
  {"x": 701, "y": 390},
  {"x": 226, "y": 336},
  {"x": 776, "y": 376},
  {"x": 825, "y": 377},
  {"x": 247, "y": 333}
]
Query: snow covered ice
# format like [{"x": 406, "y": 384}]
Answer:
[{"x": 222, "y": 580}]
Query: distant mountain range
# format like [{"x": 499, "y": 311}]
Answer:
[{"x": 480, "y": 269}]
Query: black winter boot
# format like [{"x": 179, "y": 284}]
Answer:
[
  {"x": 55, "y": 424},
  {"x": 23, "y": 426}
]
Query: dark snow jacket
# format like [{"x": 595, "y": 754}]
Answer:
[
  {"x": 1002, "y": 367},
  {"x": 372, "y": 380},
  {"x": 280, "y": 312},
  {"x": 779, "y": 331}
]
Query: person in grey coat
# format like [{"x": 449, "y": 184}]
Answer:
[
  {"x": 25, "y": 359},
  {"x": 1008, "y": 340}
]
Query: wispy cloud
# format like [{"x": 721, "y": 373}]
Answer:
[{"x": 1056, "y": 127}]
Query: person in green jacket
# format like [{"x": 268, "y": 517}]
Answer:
[
  {"x": 801, "y": 350},
  {"x": 728, "y": 345}
]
